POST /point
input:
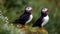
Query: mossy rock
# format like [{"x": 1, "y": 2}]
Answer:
[
  {"x": 33, "y": 30},
  {"x": 17, "y": 30}
]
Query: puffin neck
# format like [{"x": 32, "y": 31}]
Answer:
[
  {"x": 43, "y": 14},
  {"x": 27, "y": 12}
]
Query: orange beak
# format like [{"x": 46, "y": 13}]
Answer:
[
  {"x": 32, "y": 9},
  {"x": 48, "y": 10}
]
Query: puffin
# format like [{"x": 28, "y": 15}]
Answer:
[
  {"x": 25, "y": 18},
  {"x": 42, "y": 20}
]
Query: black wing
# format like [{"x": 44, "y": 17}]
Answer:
[
  {"x": 22, "y": 19},
  {"x": 38, "y": 22}
]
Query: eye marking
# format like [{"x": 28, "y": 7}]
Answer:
[
  {"x": 28, "y": 8},
  {"x": 45, "y": 9}
]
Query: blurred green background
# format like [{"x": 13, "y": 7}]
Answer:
[{"x": 12, "y": 9}]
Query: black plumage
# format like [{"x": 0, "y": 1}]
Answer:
[
  {"x": 23, "y": 18},
  {"x": 43, "y": 19},
  {"x": 40, "y": 20}
]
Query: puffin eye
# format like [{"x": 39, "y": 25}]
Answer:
[
  {"x": 28, "y": 8},
  {"x": 44, "y": 9}
]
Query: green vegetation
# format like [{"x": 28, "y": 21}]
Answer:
[{"x": 12, "y": 9}]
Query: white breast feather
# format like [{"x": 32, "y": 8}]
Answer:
[
  {"x": 45, "y": 20},
  {"x": 30, "y": 18}
]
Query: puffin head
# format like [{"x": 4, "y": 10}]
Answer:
[
  {"x": 44, "y": 10},
  {"x": 29, "y": 9}
]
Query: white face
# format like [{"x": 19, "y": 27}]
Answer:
[
  {"x": 44, "y": 10},
  {"x": 28, "y": 9}
]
